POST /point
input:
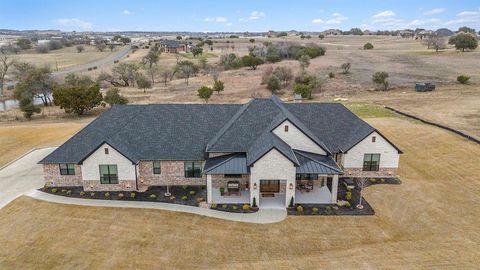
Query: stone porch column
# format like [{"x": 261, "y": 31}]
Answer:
[
  {"x": 334, "y": 188},
  {"x": 209, "y": 189}
]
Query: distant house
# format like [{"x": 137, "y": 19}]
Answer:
[
  {"x": 263, "y": 152},
  {"x": 41, "y": 42},
  {"x": 406, "y": 33},
  {"x": 424, "y": 34},
  {"x": 172, "y": 46}
]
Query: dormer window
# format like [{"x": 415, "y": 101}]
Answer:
[
  {"x": 286, "y": 128},
  {"x": 106, "y": 151},
  {"x": 374, "y": 138}
]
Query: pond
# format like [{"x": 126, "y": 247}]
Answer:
[{"x": 13, "y": 103}]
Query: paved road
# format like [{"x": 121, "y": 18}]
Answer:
[
  {"x": 98, "y": 63},
  {"x": 22, "y": 176}
]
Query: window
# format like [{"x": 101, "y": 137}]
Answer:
[
  {"x": 156, "y": 167},
  {"x": 306, "y": 176},
  {"x": 108, "y": 174},
  {"x": 232, "y": 175},
  {"x": 67, "y": 169},
  {"x": 374, "y": 139},
  {"x": 371, "y": 162},
  {"x": 193, "y": 169},
  {"x": 106, "y": 151},
  {"x": 286, "y": 128}
]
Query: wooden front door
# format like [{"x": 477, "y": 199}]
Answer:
[{"x": 270, "y": 186}]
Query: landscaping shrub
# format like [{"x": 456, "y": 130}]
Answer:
[
  {"x": 82, "y": 193},
  {"x": 192, "y": 192},
  {"x": 120, "y": 195},
  {"x": 69, "y": 192},
  {"x": 347, "y": 204},
  {"x": 107, "y": 195},
  {"x": 328, "y": 208},
  {"x": 213, "y": 206},
  {"x": 300, "y": 209},
  {"x": 254, "y": 204},
  {"x": 132, "y": 195},
  {"x": 315, "y": 210},
  {"x": 184, "y": 187},
  {"x": 345, "y": 67},
  {"x": 246, "y": 207},
  {"x": 64, "y": 190},
  {"x": 222, "y": 190},
  {"x": 348, "y": 195},
  {"x": 368, "y": 46},
  {"x": 224, "y": 206},
  {"x": 463, "y": 79},
  {"x": 234, "y": 207},
  {"x": 92, "y": 194},
  {"x": 54, "y": 190},
  {"x": 291, "y": 202},
  {"x": 184, "y": 198},
  {"x": 331, "y": 75},
  {"x": 152, "y": 196}
]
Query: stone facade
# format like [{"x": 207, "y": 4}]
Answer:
[
  {"x": 218, "y": 181},
  {"x": 95, "y": 185},
  {"x": 171, "y": 171},
  {"x": 358, "y": 172},
  {"x": 53, "y": 178}
]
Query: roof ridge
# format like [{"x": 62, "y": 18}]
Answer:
[
  {"x": 228, "y": 125},
  {"x": 289, "y": 115}
]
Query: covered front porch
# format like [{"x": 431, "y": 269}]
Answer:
[{"x": 316, "y": 180}]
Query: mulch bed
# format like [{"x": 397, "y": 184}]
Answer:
[
  {"x": 233, "y": 208},
  {"x": 185, "y": 195},
  {"x": 351, "y": 210}
]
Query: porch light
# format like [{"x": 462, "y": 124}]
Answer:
[
  {"x": 91, "y": 186},
  {"x": 291, "y": 186},
  {"x": 254, "y": 185}
]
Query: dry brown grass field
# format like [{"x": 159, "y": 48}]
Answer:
[
  {"x": 430, "y": 221},
  {"x": 64, "y": 57}
]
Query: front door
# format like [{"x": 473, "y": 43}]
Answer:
[{"x": 270, "y": 186}]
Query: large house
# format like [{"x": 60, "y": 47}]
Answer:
[
  {"x": 172, "y": 46},
  {"x": 265, "y": 150}
]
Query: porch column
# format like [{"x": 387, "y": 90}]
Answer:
[
  {"x": 209, "y": 189},
  {"x": 334, "y": 188}
]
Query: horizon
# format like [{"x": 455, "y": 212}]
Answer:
[{"x": 236, "y": 16}]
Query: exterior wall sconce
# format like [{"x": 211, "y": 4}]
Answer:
[
  {"x": 141, "y": 179},
  {"x": 91, "y": 186},
  {"x": 254, "y": 185},
  {"x": 291, "y": 186}
]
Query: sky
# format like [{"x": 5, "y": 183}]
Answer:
[{"x": 237, "y": 15}]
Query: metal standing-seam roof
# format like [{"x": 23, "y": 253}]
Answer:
[
  {"x": 228, "y": 164},
  {"x": 317, "y": 164}
]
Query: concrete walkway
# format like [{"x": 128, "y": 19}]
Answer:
[
  {"x": 22, "y": 175},
  {"x": 263, "y": 216}
]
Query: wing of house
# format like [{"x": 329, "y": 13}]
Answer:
[{"x": 264, "y": 151}]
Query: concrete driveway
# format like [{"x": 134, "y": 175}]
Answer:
[{"x": 22, "y": 175}]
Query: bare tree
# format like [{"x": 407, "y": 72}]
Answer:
[
  {"x": 6, "y": 61},
  {"x": 361, "y": 184},
  {"x": 166, "y": 75}
]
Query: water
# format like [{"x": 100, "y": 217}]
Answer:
[{"x": 13, "y": 103}]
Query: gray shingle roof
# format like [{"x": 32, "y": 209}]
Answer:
[{"x": 186, "y": 131}]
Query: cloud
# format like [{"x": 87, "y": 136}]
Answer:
[
  {"x": 384, "y": 14},
  {"x": 254, "y": 15},
  {"x": 73, "y": 23},
  {"x": 337, "y": 18},
  {"x": 127, "y": 12},
  {"x": 229, "y": 24},
  {"x": 434, "y": 11},
  {"x": 216, "y": 19},
  {"x": 433, "y": 22},
  {"x": 466, "y": 17}
]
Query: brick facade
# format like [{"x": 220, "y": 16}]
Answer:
[
  {"x": 53, "y": 178},
  {"x": 173, "y": 171},
  {"x": 358, "y": 172},
  {"x": 95, "y": 185}
]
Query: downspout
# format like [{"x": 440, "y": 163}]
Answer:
[{"x": 136, "y": 178}]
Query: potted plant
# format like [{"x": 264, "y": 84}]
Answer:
[
  {"x": 222, "y": 190},
  {"x": 291, "y": 204}
]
